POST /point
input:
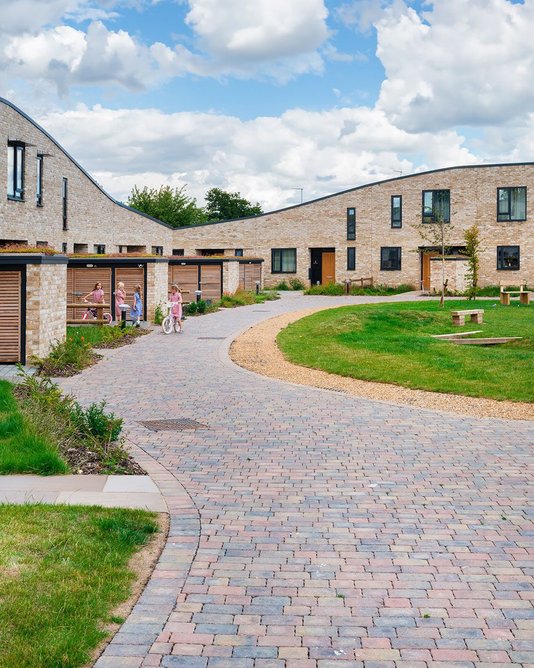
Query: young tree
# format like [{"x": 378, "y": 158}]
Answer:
[
  {"x": 437, "y": 234},
  {"x": 171, "y": 205},
  {"x": 472, "y": 251},
  {"x": 222, "y": 205}
]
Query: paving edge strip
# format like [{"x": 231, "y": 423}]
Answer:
[
  {"x": 256, "y": 350},
  {"x": 134, "y": 640}
]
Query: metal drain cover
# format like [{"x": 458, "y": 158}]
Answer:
[
  {"x": 173, "y": 425},
  {"x": 211, "y": 338}
]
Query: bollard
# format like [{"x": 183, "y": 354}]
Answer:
[
  {"x": 124, "y": 308},
  {"x": 198, "y": 294},
  {"x": 257, "y": 287}
]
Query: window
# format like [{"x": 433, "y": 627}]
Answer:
[
  {"x": 351, "y": 259},
  {"x": 390, "y": 258},
  {"x": 41, "y": 243},
  {"x": 64, "y": 194},
  {"x": 100, "y": 249},
  {"x": 210, "y": 252},
  {"x": 351, "y": 224},
  {"x": 283, "y": 260},
  {"x": 512, "y": 203},
  {"x": 178, "y": 251},
  {"x": 157, "y": 250},
  {"x": 15, "y": 170},
  {"x": 436, "y": 205},
  {"x": 239, "y": 252},
  {"x": 508, "y": 258},
  {"x": 39, "y": 186},
  {"x": 64, "y": 247},
  {"x": 81, "y": 248},
  {"x": 396, "y": 211}
]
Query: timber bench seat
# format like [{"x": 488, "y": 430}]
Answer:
[
  {"x": 88, "y": 321},
  {"x": 523, "y": 293},
  {"x": 476, "y": 314}
]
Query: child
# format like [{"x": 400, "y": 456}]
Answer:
[
  {"x": 97, "y": 297},
  {"x": 120, "y": 296},
  {"x": 136, "y": 312},
  {"x": 176, "y": 299}
]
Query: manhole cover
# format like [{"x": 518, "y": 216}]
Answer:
[
  {"x": 173, "y": 425},
  {"x": 211, "y": 338},
  {"x": 260, "y": 310}
]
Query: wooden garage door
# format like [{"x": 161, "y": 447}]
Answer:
[
  {"x": 211, "y": 281},
  {"x": 249, "y": 274},
  {"x": 186, "y": 278},
  {"x": 10, "y": 316},
  {"x": 131, "y": 276},
  {"x": 81, "y": 281}
]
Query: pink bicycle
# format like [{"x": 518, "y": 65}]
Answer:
[{"x": 90, "y": 313}]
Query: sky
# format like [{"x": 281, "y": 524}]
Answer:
[{"x": 275, "y": 99}]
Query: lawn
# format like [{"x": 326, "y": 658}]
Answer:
[
  {"x": 392, "y": 343},
  {"x": 63, "y": 570}
]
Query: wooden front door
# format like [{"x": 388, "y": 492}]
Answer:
[
  {"x": 10, "y": 316},
  {"x": 328, "y": 268}
]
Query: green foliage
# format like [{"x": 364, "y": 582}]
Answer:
[
  {"x": 223, "y": 205},
  {"x": 95, "y": 421},
  {"x": 495, "y": 290},
  {"x": 159, "y": 314},
  {"x": 191, "y": 308},
  {"x": 171, "y": 205},
  {"x": 472, "y": 251},
  {"x": 65, "y": 569},
  {"x": 337, "y": 289},
  {"x": 201, "y": 306},
  {"x": 245, "y": 298},
  {"x": 292, "y": 284},
  {"x": 331, "y": 289},
  {"x": 282, "y": 285},
  {"x": 67, "y": 357}
]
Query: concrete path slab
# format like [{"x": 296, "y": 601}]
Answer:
[{"x": 312, "y": 529}]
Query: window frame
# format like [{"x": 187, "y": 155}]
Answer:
[
  {"x": 432, "y": 216},
  {"x": 351, "y": 223},
  {"x": 15, "y": 184},
  {"x": 396, "y": 224},
  {"x": 351, "y": 258},
  {"x": 500, "y": 259},
  {"x": 179, "y": 252},
  {"x": 274, "y": 251},
  {"x": 39, "y": 180},
  {"x": 99, "y": 249},
  {"x": 509, "y": 189},
  {"x": 64, "y": 202},
  {"x": 399, "y": 258},
  {"x": 157, "y": 250},
  {"x": 238, "y": 252}
]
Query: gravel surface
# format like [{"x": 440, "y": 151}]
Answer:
[{"x": 257, "y": 351}]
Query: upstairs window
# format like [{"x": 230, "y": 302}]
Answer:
[
  {"x": 283, "y": 260},
  {"x": 178, "y": 251},
  {"x": 100, "y": 249},
  {"x": 396, "y": 211},
  {"x": 436, "y": 206},
  {"x": 507, "y": 258},
  {"x": 351, "y": 259},
  {"x": 15, "y": 171},
  {"x": 157, "y": 250},
  {"x": 390, "y": 258},
  {"x": 39, "y": 184},
  {"x": 512, "y": 203},
  {"x": 238, "y": 252},
  {"x": 64, "y": 247},
  {"x": 64, "y": 196},
  {"x": 351, "y": 224}
]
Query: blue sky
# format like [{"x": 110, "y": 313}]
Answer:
[{"x": 264, "y": 96}]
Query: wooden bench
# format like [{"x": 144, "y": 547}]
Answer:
[
  {"x": 523, "y": 293},
  {"x": 458, "y": 317},
  {"x": 99, "y": 320}
]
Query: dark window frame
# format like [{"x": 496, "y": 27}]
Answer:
[
  {"x": 180, "y": 252},
  {"x": 508, "y": 218},
  {"x": 15, "y": 189},
  {"x": 274, "y": 270},
  {"x": 157, "y": 250},
  {"x": 238, "y": 252},
  {"x": 396, "y": 222},
  {"x": 39, "y": 180},
  {"x": 501, "y": 258},
  {"x": 64, "y": 247},
  {"x": 429, "y": 219},
  {"x": 383, "y": 261},
  {"x": 100, "y": 249},
  {"x": 64, "y": 201},
  {"x": 351, "y": 223},
  {"x": 351, "y": 258}
]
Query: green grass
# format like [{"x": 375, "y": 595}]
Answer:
[
  {"x": 392, "y": 343},
  {"x": 22, "y": 448},
  {"x": 244, "y": 298},
  {"x": 63, "y": 571},
  {"x": 337, "y": 289}
]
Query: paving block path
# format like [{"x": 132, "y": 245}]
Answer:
[{"x": 311, "y": 529}]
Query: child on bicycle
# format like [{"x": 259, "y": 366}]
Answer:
[
  {"x": 97, "y": 297},
  {"x": 176, "y": 299}
]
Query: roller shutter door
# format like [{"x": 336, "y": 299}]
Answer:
[
  {"x": 81, "y": 281},
  {"x": 10, "y": 316}
]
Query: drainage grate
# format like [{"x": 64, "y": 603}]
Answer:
[
  {"x": 211, "y": 338},
  {"x": 173, "y": 425},
  {"x": 260, "y": 310}
]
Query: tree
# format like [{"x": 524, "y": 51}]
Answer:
[
  {"x": 438, "y": 234},
  {"x": 171, "y": 205},
  {"x": 222, "y": 205},
  {"x": 472, "y": 251}
]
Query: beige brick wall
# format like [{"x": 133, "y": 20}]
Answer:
[
  {"x": 322, "y": 223},
  {"x": 230, "y": 280},
  {"x": 93, "y": 217},
  {"x": 46, "y": 308},
  {"x": 454, "y": 271},
  {"x": 157, "y": 286}
]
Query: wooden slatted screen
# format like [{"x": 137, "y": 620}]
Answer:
[
  {"x": 211, "y": 281},
  {"x": 248, "y": 275},
  {"x": 10, "y": 316},
  {"x": 186, "y": 278},
  {"x": 81, "y": 281},
  {"x": 131, "y": 276}
]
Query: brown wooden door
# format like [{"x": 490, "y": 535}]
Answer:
[
  {"x": 185, "y": 276},
  {"x": 130, "y": 276},
  {"x": 249, "y": 274},
  {"x": 10, "y": 316},
  {"x": 81, "y": 281},
  {"x": 211, "y": 281},
  {"x": 328, "y": 268}
]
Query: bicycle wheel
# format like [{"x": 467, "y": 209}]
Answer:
[
  {"x": 167, "y": 324},
  {"x": 107, "y": 317},
  {"x": 177, "y": 327}
]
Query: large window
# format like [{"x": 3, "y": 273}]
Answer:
[
  {"x": 15, "y": 171},
  {"x": 64, "y": 197},
  {"x": 396, "y": 211},
  {"x": 390, "y": 258},
  {"x": 351, "y": 259},
  {"x": 508, "y": 258},
  {"x": 436, "y": 206},
  {"x": 283, "y": 260},
  {"x": 351, "y": 224},
  {"x": 512, "y": 203},
  {"x": 39, "y": 185}
]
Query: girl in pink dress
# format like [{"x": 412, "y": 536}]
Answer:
[
  {"x": 176, "y": 299},
  {"x": 120, "y": 296},
  {"x": 96, "y": 295}
]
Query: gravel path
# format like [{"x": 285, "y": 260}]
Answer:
[{"x": 257, "y": 351}]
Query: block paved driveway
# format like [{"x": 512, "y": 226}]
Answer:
[{"x": 310, "y": 529}]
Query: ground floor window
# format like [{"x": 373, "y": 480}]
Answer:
[
  {"x": 390, "y": 258},
  {"x": 351, "y": 259},
  {"x": 508, "y": 257},
  {"x": 283, "y": 260}
]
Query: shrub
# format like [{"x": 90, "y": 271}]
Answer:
[
  {"x": 94, "y": 421},
  {"x": 201, "y": 306},
  {"x": 332, "y": 289},
  {"x": 191, "y": 308},
  {"x": 159, "y": 314},
  {"x": 67, "y": 357},
  {"x": 296, "y": 284},
  {"x": 282, "y": 286}
]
